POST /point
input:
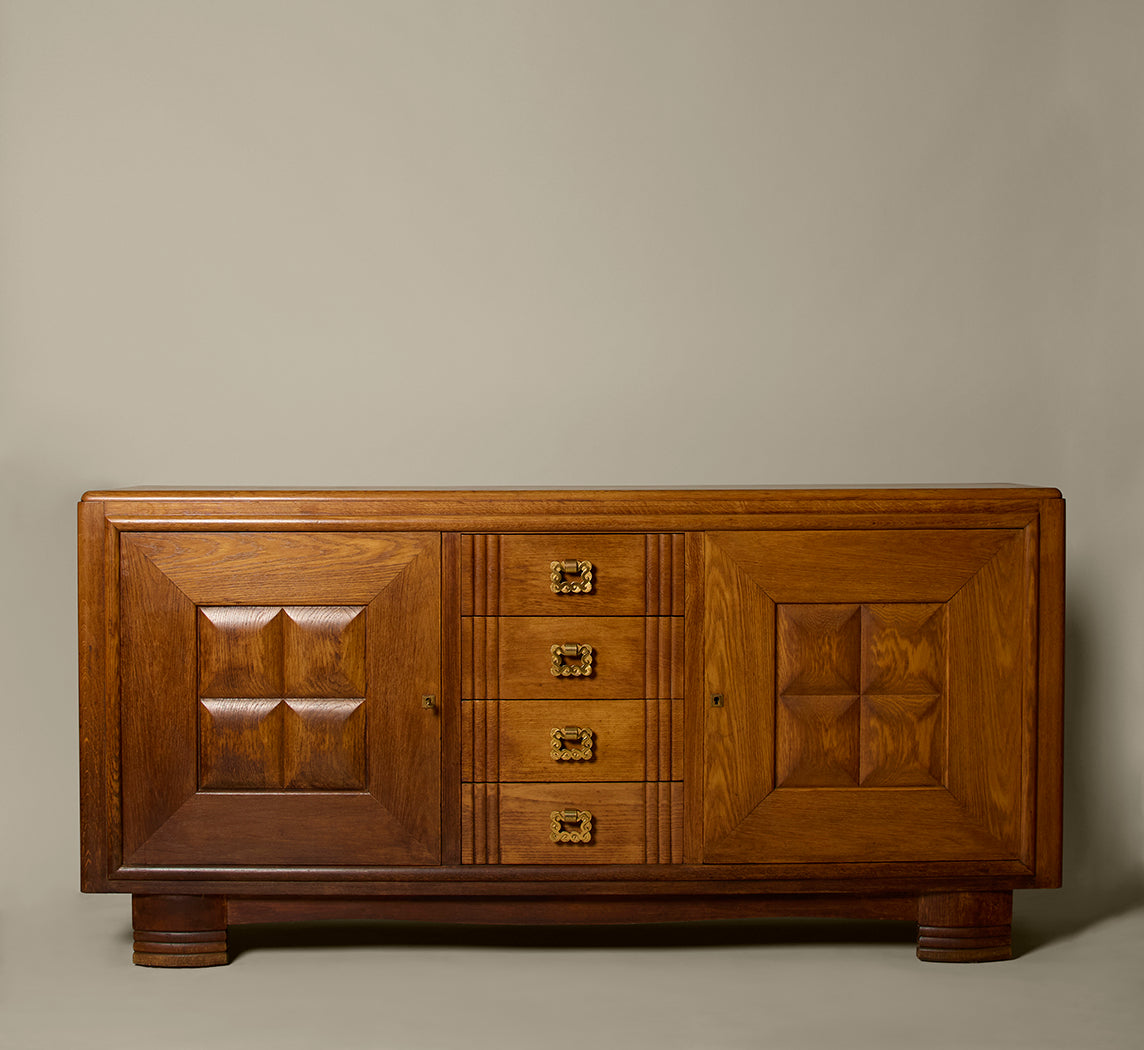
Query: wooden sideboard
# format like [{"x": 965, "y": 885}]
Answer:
[{"x": 570, "y": 707}]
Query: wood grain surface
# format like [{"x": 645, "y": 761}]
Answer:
[
  {"x": 889, "y": 689},
  {"x": 803, "y": 701},
  {"x": 510, "y": 658},
  {"x": 619, "y": 822},
  {"x": 254, "y": 776}
]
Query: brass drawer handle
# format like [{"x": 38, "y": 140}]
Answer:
[
  {"x": 581, "y": 819},
  {"x": 572, "y": 744},
  {"x": 571, "y": 577},
  {"x": 562, "y": 653}
]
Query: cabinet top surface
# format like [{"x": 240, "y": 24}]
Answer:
[{"x": 752, "y": 494}]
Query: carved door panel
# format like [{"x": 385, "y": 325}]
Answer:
[
  {"x": 271, "y": 698},
  {"x": 875, "y": 696}
]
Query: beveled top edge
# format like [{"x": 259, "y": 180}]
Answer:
[{"x": 987, "y": 490}]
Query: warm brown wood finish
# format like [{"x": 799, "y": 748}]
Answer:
[
  {"x": 511, "y": 575},
  {"x": 342, "y": 704},
  {"x": 965, "y": 927},
  {"x": 631, "y": 740},
  {"x": 527, "y": 750},
  {"x": 889, "y": 725},
  {"x": 631, "y": 657},
  {"x": 617, "y": 823},
  {"x": 553, "y": 909},
  {"x": 1047, "y": 801},
  {"x": 630, "y": 823},
  {"x": 179, "y": 931},
  {"x": 258, "y": 755}
]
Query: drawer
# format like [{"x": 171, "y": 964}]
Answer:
[
  {"x": 597, "y": 740},
  {"x": 616, "y": 834},
  {"x": 616, "y": 658},
  {"x": 630, "y": 575},
  {"x": 512, "y": 740},
  {"x": 631, "y": 823}
]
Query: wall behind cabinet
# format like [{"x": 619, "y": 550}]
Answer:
[{"x": 593, "y": 243}]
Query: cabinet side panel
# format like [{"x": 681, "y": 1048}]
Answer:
[
  {"x": 1029, "y": 758},
  {"x": 1050, "y": 698},
  {"x": 93, "y": 738}
]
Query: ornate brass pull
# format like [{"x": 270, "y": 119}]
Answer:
[
  {"x": 572, "y": 744},
  {"x": 562, "y": 653},
  {"x": 581, "y": 818},
  {"x": 571, "y": 577}
]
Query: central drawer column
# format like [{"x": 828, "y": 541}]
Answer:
[{"x": 571, "y": 687}]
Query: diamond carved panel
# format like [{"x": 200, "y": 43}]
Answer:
[
  {"x": 282, "y": 698},
  {"x": 324, "y": 650},
  {"x": 860, "y": 693},
  {"x": 819, "y": 650},
  {"x": 901, "y": 741},
  {"x": 261, "y": 651},
  {"x": 240, "y": 651},
  {"x": 240, "y": 744},
  {"x": 324, "y": 744},
  {"x": 818, "y": 741},
  {"x": 903, "y": 649},
  {"x": 295, "y": 744}
]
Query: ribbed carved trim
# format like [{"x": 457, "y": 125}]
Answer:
[
  {"x": 663, "y": 657},
  {"x": 663, "y": 814},
  {"x": 665, "y": 578},
  {"x": 480, "y": 823},
  {"x": 480, "y": 658},
  {"x": 480, "y": 575}
]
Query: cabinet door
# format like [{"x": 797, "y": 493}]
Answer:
[
  {"x": 271, "y": 698},
  {"x": 875, "y": 696}
]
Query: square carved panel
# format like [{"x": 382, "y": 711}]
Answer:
[
  {"x": 240, "y": 744},
  {"x": 323, "y": 745},
  {"x": 819, "y": 650},
  {"x": 903, "y": 649},
  {"x": 282, "y": 698},
  {"x": 324, "y": 650},
  {"x": 901, "y": 741},
  {"x": 818, "y": 741},
  {"x": 859, "y": 695},
  {"x": 240, "y": 651}
]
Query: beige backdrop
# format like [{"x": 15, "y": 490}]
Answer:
[{"x": 530, "y": 242}]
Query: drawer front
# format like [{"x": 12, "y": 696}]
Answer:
[
  {"x": 573, "y": 741},
  {"x": 609, "y": 663},
  {"x": 614, "y": 827},
  {"x": 512, "y": 740},
  {"x": 613, "y": 583},
  {"x": 510, "y": 658}
]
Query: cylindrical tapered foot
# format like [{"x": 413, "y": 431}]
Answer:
[
  {"x": 965, "y": 927},
  {"x": 179, "y": 931}
]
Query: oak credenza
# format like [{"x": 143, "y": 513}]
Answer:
[{"x": 570, "y": 707}]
